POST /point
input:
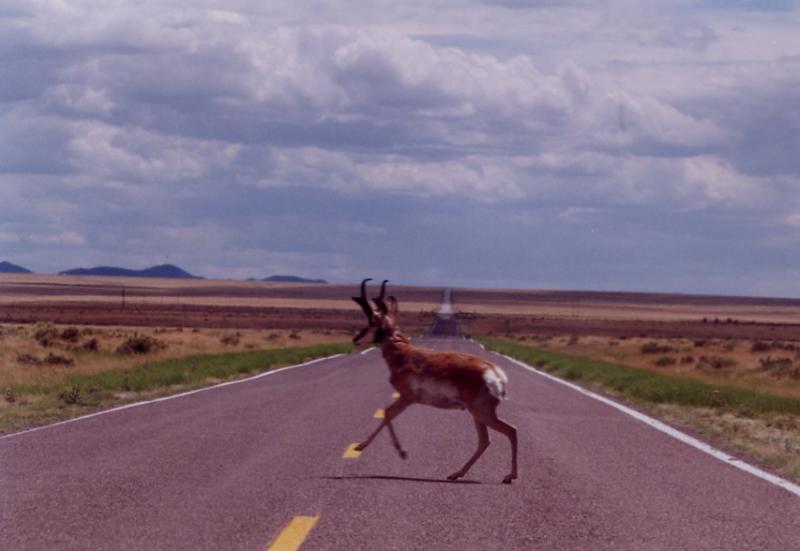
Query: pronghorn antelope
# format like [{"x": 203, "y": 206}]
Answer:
[{"x": 441, "y": 379}]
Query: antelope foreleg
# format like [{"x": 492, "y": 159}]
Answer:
[{"x": 395, "y": 409}]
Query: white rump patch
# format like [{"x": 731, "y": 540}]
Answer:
[{"x": 496, "y": 381}]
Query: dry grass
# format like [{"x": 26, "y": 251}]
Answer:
[
  {"x": 724, "y": 362},
  {"x": 23, "y": 359},
  {"x": 773, "y": 440}
]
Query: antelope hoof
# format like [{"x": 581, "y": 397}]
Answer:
[
  {"x": 509, "y": 478},
  {"x": 403, "y": 454},
  {"x": 361, "y": 447},
  {"x": 455, "y": 476}
]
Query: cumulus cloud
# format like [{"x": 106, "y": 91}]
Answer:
[{"x": 187, "y": 123}]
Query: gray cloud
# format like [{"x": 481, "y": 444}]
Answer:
[{"x": 599, "y": 151}]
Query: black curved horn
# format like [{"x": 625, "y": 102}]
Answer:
[
  {"x": 379, "y": 302},
  {"x": 362, "y": 300}
]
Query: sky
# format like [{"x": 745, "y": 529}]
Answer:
[{"x": 541, "y": 144}]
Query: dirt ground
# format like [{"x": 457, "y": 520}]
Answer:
[{"x": 87, "y": 300}]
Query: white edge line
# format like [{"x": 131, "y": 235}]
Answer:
[
  {"x": 367, "y": 351},
  {"x": 670, "y": 431},
  {"x": 165, "y": 398}
]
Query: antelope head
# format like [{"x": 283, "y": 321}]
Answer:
[{"x": 380, "y": 320}]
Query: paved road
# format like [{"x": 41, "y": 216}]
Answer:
[{"x": 229, "y": 468}]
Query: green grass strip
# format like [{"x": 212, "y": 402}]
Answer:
[
  {"x": 199, "y": 369},
  {"x": 644, "y": 385}
]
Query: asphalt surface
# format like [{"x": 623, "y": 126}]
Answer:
[{"x": 230, "y": 467}]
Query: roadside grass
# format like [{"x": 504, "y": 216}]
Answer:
[
  {"x": 763, "y": 426},
  {"x": 201, "y": 368},
  {"x": 645, "y": 385},
  {"x": 78, "y": 394}
]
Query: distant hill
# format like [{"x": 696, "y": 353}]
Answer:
[
  {"x": 163, "y": 270},
  {"x": 292, "y": 279},
  {"x": 9, "y": 268}
]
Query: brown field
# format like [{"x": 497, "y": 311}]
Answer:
[
  {"x": 87, "y": 300},
  {"x": 697, "y": 330},
  {"x": 555, "y": 313}
]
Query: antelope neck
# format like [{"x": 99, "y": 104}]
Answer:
[{"x": 394, "y": 348}]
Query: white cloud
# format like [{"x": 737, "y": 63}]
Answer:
[
  {"x": 172, "y": 119},
  {"x": 67, "y": 238},
  {"x": 793, "y": 220},
  {"x": 102, "y": 151}
]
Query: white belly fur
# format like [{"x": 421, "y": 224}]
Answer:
[{"x": 435, "y": 392}]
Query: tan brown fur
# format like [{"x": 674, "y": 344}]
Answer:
[{"x": 447, "y": 380}]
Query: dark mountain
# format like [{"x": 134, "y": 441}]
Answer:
[
  {"x": 292, "y": 279},
  {"x": 9, "y": 268},
  {"x": 163, "y": 270}
]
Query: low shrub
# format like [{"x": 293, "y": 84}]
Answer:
[
  {"x": 141, "y": 344},
  {"x": 92, "y": 345},
  {"x": 760, "y": 346},
  {"x": 729, "y": 346},
  {"x": 45, "y": 334},
  {"x": 57, "y": 359},
  {"x": 780, "y": 367},
  {"x": 70, "y": 395},
  {"x": 652, "y": 347},
  {"x": 28, "y": 359},
  {"x": 665, "y": 361},
  {"x": 715, "y": 362},
  {"x": 70, "y": 334},
  {"x": 230, "y": 339}
]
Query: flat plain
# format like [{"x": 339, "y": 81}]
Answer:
[
  {"x": 271, "y": 448},
  {"x": 747, "y": 342}
]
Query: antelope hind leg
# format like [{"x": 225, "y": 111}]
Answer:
[
  {"x": 486, "y": 413},
  {"x": 483, "y": 443}
]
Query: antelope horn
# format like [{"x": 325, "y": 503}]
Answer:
[
  {"x": 379, "y": 302},
  {"x": 362, "y": 300}
]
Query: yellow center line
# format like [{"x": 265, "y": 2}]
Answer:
[
  {"x": 351, "y": 452},
  {"x": 295, "y": 533},
  {"x": 378, "y": 414}
]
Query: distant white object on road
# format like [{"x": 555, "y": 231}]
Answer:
[{"x": 446, "y": 309}]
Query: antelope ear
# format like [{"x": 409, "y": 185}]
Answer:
[
  {"x": 381, "y": 305},
  {"x": 393, "y": 308}
]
